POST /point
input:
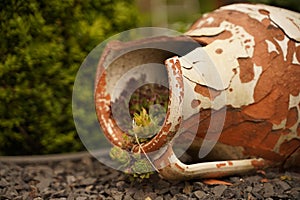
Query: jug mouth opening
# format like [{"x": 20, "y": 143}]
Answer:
[{"x": 137, "y": 85}]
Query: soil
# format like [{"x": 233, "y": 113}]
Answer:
[{"x": 79, "y": 176}]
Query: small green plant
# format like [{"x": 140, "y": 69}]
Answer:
[
  {"x": 147, "y": 107},
  {"x": 118, "y": 154},
  {"x": 143, "y": 128},
  {"x": 134, "y": 164}
]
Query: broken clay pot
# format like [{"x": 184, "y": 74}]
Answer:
[{"x": 239, "y": 93}]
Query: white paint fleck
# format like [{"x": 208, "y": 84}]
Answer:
[
  {"x": 210, "y": 20},
  {"x": 294, "y": 101},
  {"x": 284, "y": 46},
  {"x": 189, "y": 96},
  {"x": 295, "y": 60},
  {"x": 279, "y": 126},
  {"x": 271, "y": 47},
  {"x": 206, "y": 31},
  {"x": 110, "y": 130}
]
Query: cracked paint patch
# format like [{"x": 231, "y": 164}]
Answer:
[
  {"x": 257, "y": 78},
  {"x": 287, "y": 20},
  {"x": 223, "y": 53},
  {"x": 255, "y": 12}
]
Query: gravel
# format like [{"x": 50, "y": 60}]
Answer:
[{"x": 85, "y": 178}]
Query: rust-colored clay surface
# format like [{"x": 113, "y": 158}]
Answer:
[{"x": 268, "y": 127}]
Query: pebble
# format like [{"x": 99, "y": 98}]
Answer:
[
  {"x": 3, "y": 183},
  {"x": 128, "y": 197},
  {"x": 139, "y": 195},
  {"x": 88, "y": 179},
  {"x": 200, "y": 194},
  {"x": 268, "y": 190},
  {"x": 219, "y": 189},
  {"x": 180, "y": 197},
  {"x": 283, "y": 185},
  {"x": 174, "y": 190}
]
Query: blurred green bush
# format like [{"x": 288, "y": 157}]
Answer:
[{"x": 42, "y": 45}]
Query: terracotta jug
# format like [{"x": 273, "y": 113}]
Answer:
[{"x": 235, "y": 99}]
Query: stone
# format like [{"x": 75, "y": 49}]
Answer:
[
  {"x": 3, "y": 182},
  {"x": 200, "y": 194},
  {"x": 181, "y": 197},
  {"x": 250, "y": 197},
  {"x": 120, "y": 185},
  {"x": 88, "y": 181},
  {"x": 139, "y": 194},
  {"x": 187, "y": 188},
  {"x": 81, "y": 198},
  {"x": 174, "y": 190},
  {"x": 284, "y": 185},
  {"x": 70, "y": 179},
  {"x": 219, "y": 189},
  {"x": 44, "y": 182},
  {"x": 117, "y": 195},
  {"x": 128, "y": 197},
  {"x": 268, "y": 190}
]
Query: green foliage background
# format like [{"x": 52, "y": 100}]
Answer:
[{"x": 42, "y": 45}]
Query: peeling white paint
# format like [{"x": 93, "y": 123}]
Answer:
[
  {"x": 295, "y": 60},
  {"x": 206, "y": 31},
  {"x": 279, "y": 126},
  {"x": 201, "y": 69},
  {"x": 251, "y": 10},
  {"x": 240, "y": 94},
  {"x": 284, "y": 46},
  {"x": 216, "y": 66},
  {"x": 294, "y": 101},
  {"x": 189, "y": 96},
  {"x": 271, "y": 47},
  {"x": 222, "y": 55},
  {"x": 287, "y": 20},
  {"x": 295, "y": 126},
  {"x": 209, "y": 20}
]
